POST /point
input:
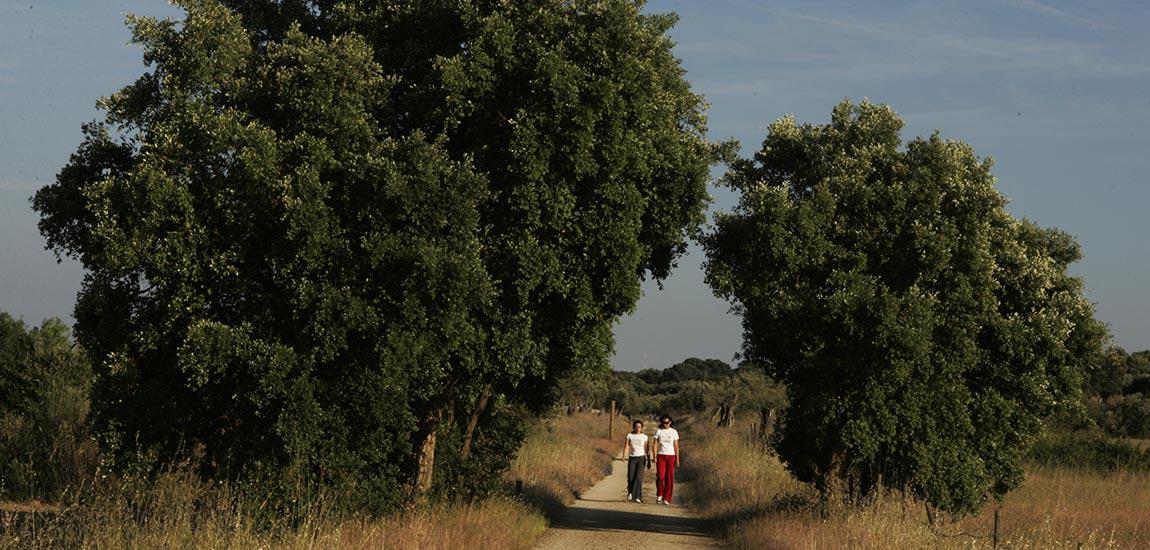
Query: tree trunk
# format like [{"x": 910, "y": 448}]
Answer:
[
  {"x": 831, "y": 484},
  {"x": 480, "y": 405},
  {"x": 726, "y": 413},
  {"x": 426, "y": 472},
  {"x": 767, "y": 421}
]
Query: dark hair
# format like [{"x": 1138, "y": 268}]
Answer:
[
  {"x": 637, "y": 421},
  {"x": 666, "y": 417}
]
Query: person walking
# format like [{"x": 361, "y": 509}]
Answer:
[
  {"x": 635, "y": 449},
  {"x": 666, "y": 460}
]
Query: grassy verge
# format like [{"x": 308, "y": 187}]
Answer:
[
  {"x": 752, "y": 501},
  {"x": 559, "y": 458},
  {"x": 493, "y": 523},
  {"x": 562, "y": 457}
]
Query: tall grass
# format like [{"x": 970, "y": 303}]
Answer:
[
  {"x": 559, "y": 458},
  {"x": 175, "y": 509},
  {"x": 563, "y": 456},
  {"x": 748, "y": 496},
  {"x": 494, "y": 523}
]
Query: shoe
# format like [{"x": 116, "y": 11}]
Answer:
[
  {"x": 639, "y": 501},
  {"x": 659, "y": 500},
  {"x": 666, "y": 503},
  {"x": 629, "y": 496}
]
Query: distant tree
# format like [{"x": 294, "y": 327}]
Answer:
[
  {"x": 651, "y": 376},
  {"x": 697, "y": 369},
  {"x": 629, "y": 392},
  {"x": 44, "y": 446},
  {"x": 690, "y": 396},
  {"x": 1140, "y": 362},
  {"x": 1124, "y": 415},
  {"x": 748, "y": 388},
  {"x": 1118, "y": 396},
  {"x": 583, "y": 390},
  {"x": 17, "y": 381},
  {"x": 325, "y": 237},
  {"x": 1111, "y": 375},
  {"x": 34, "y": 362},
  {"x": 922, "y": 332}
]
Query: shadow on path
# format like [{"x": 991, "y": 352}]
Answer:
[{"x": 598, "y": 519}]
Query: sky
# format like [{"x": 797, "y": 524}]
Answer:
[{"x": 1057, "y": 92}]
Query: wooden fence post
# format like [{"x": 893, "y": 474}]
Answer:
[
  {"x": 611, "y": 423},
  {"x": 994, "y": 536}
]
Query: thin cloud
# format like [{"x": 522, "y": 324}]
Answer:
[
  {"x": 1019, "y": 52},
  {"x": 1034, "y": 6}
]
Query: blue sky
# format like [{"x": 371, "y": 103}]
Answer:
[{"x": 1057, "y": 92}]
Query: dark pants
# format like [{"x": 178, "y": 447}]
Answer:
[{"x": 635, "y": 467}]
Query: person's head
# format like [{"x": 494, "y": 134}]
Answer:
[
  {"x": 665, "y": 421},
  {"x": 637, "y": 426}
]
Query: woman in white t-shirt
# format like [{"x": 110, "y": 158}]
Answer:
[
  {"x": 666, "y": 460},
  {"x": 635, "y": 449}
]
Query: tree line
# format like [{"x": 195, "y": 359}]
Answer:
[
  {"x": 1118, "y": 395},
  {"x": 707, "y": 387},
  {"x": 358, "y": 245}
]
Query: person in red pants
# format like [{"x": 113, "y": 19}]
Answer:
[{"x": 666, "y": 444}]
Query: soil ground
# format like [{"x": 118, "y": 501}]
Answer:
[{"x": 603, "y": 519}]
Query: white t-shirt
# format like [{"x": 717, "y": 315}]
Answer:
[
  {"x": 666, "y": 439},
  {"x": 637, "y": 443}
]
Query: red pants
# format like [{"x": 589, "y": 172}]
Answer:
[{"x": 664, "y": 476}]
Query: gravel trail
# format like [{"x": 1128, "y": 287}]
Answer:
[{"x": 603, "y": 519}]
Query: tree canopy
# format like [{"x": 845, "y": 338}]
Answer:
[
  {"x": 922, "y": 332},
  {"x": 319, "y": 236}
]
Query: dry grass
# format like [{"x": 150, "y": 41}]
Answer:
[
  {"x": 564, "y": 456},
  {"x": 177, "y": 510},
  {"x": 751, "y": 499},
  {"x": 494, "y": 523},
  {"x": 559, "y": 458},
  {"x": 1062, "y": 507}
]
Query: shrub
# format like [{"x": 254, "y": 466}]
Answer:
[{"x": 1089, "y": 450}]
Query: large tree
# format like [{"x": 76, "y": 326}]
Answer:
[
  {"x": 923, "y": 333},
  {"x": 322, "y": 236}
]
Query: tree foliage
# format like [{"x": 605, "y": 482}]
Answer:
[
  {"x": 922, "y": 332},
  {"x": 1117, "y": 396},
  {"x": 707, "y": 387},
  {"x": 44, "y": 383},
  {"x": 321, "y": 236}
]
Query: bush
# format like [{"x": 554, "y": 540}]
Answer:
[
  {"x": 1122, "y": 415},
  {"x": 1090, "y": 451}
]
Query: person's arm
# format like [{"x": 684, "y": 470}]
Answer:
[
  {"x": 676, "y": 452},
  {"x": 625, "y": 445}
]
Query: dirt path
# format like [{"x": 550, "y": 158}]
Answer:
[{"x": 603, "y": 519}]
